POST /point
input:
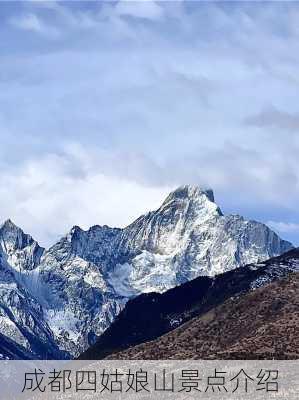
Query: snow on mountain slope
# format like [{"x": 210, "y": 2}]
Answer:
[
  {"x": 23, "y": 330},
  {"x": 83, "y": 281},
  {"x": 188, "y": 236},
  {"x": 23, "y": 253}
]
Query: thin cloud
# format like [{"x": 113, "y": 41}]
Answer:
[
  {"x": 150, "y": 9},
  {"x": 47, "y": 196},
  {"x": 284, "y": 227},
  {"x": 274, "y": 118},
  {"x": 31, "y": 22}
]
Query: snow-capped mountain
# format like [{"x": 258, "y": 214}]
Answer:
[{"x": 82, "y": 282}]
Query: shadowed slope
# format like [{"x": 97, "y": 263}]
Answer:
[
  {"x": 262, "y": 324},
  {"x": 152, "y": 315}
]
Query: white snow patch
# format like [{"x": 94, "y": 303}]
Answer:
[
  {"x": 9, "y": 329},
  {"x": 62, "y": 321}
]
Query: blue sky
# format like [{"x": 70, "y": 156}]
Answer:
[{"x": 106, "y": 106}]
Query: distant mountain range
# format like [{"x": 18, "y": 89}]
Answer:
[
  {"x": 56, "y": 303},
  {"x": 230, "y": 315}
]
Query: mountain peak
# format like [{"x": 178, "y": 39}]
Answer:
[
  {"x": 191, "y": 192},
  {"x": 13, "y": 234},
  {"x": 199, "y": 199},
  {"x": 74, "y": 233},
  {"x": 76, "y": 229},
  {"x": 9, "y": 224},
  {"x": 22, "y": 251}
]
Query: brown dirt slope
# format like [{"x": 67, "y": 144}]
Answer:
[{"x": 262, "y": 324}]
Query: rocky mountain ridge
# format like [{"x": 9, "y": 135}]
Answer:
[{"x": 82, "y": 282}]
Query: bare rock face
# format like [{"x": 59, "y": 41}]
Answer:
[{"x": 82, "y": 282}]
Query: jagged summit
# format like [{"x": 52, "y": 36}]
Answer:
[
  {"x": 190, "y": 204},
  {"x": 10, "y": 232},
  {"x": 190, "y": 192},
  {"x": 21, "y": 250},
  {"x": 76, "y": 230},
  {"x": 9, "y": 224}
]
